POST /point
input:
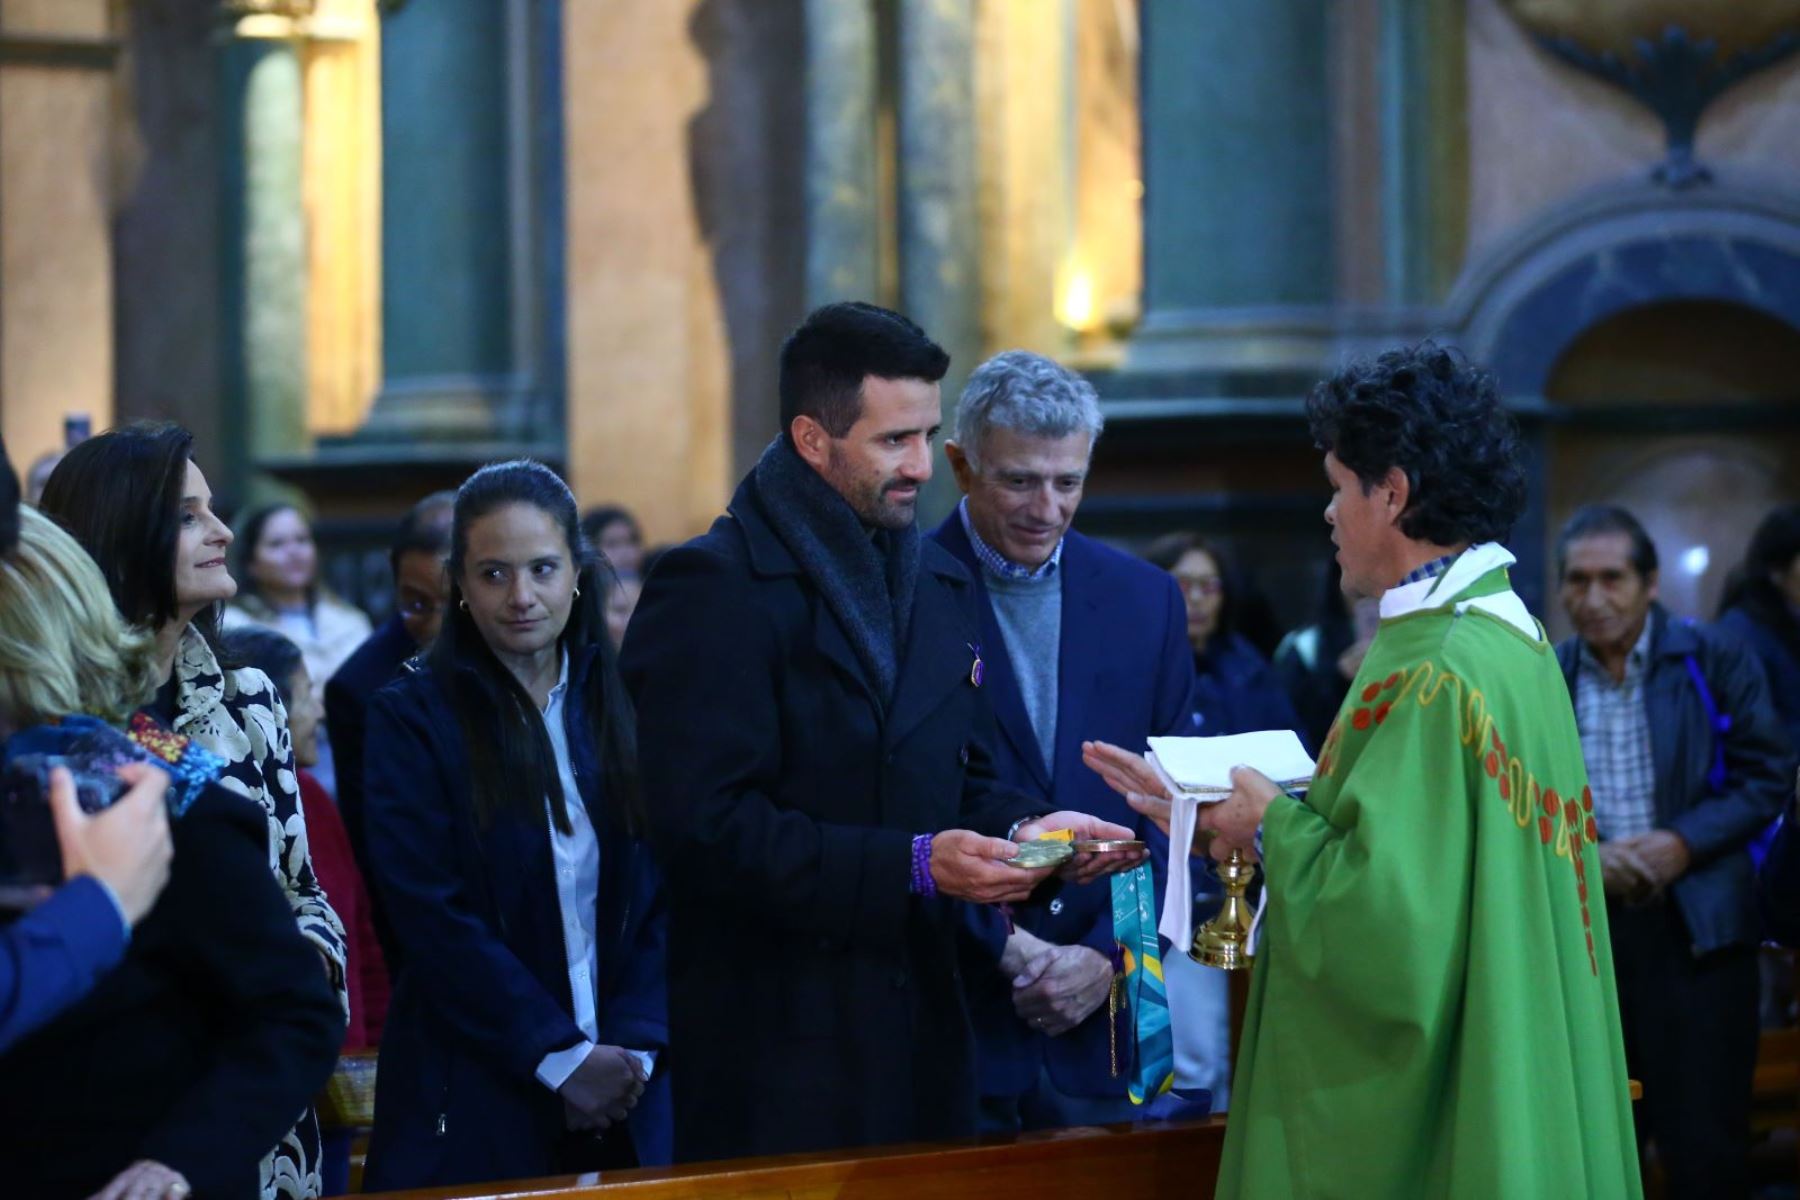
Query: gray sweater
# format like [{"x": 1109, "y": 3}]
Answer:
[{"x": 1029, "y": 613}]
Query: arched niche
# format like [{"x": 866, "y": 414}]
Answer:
[
  {"x": 1687, "y": 413},
  {"x": 1551, "y": 306},
  {"x": 1526, "y": 301}
]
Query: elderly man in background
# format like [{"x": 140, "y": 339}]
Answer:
[
  {"x": 1688, "y": 762},
  {"x": 1081, "y": 642}
]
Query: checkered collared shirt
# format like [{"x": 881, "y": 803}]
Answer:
[
  {"x": 998, "y": 563},
  {"x": 1615, "y": 741},
  {"x": 1430, "y": 570}
]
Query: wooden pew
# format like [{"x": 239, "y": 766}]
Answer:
[{"x": 1157, "y": 1159}]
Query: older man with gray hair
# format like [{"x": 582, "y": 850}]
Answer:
[{"x": 1080, "y": 642}]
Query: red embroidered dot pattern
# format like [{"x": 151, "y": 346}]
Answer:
[{"x": 1498, "y": 766}]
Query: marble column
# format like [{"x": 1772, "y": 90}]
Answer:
[
  {"x": 842, "y": 221},
  {"x": 940, "y": 282},
  {"x": 1238, "y": 255},
  {"x": 1424, "y": 148},
  {"x": 469, "y": 288},
  {"x": 265, "y": 253}
]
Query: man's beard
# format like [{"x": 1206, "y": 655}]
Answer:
[
  {"x": 885, "y": 512},
  {"x": 871, "y": 502}
]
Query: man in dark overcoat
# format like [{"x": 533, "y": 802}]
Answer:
[{"x": 817, "y": 758}]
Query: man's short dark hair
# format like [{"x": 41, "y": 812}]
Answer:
[
  {"x": 1426, "y": 410},
  {"x": 1598, "y": 520},
  {"x": 425, "y": 529},
  {"x": 825, "y": 360}
]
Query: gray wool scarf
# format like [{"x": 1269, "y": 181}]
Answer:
[{"x": 867, "y": 580}]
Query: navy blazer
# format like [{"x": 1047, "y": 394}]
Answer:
[
  {"x": 1715, "y": 896},
  {"x": 1125, "y": 673},
  {"x": 484, "y": 992}
]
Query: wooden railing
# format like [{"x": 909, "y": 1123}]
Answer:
[{"x": 1174, "y": 1159}]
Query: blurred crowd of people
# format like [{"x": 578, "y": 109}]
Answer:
[{"x": 608, "y": 889}]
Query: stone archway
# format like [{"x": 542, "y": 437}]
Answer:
[
  {"x": 1602, "y": 322},
  {"x": 1523, "y": 304}
]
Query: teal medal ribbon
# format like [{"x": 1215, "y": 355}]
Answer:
[{"x": 1145, "y": 995}]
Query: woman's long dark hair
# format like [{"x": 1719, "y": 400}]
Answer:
[
  {"x": 1773, "y": 549},
  {"x": 510, "y": 758},
  {"x": 119, "y": 495}
]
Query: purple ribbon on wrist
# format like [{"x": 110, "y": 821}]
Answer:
[{"x": 922, "y": 882}]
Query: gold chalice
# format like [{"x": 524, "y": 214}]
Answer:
[{"x": 1224, "y": 941}]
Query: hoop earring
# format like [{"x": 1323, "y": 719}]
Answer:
[
  {"x": 463, "y": 604},
  {"x": 578, "y": 591}
]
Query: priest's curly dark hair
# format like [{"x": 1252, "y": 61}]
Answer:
[{"x": 1426, "y": 410}]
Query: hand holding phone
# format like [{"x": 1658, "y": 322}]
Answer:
[{"x": 127, "y": 846}]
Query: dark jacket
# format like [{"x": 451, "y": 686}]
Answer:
[
  {"x": 201, "y": 1048},
  {"x": 1714, "y": 897},
  {"x": 1778, "y": 883},
  {"x": 372, "y": 667},
  {"x": 1237, "y": 691},
  {"x": 484, "y": 992},
  {"x": 52, "y": 956},
  {"x": 1306, "y": 667},
  {"x": 814, "y": 1002},
  {"x": 1124, "y": 674},
  {"x": 1779, "y": 653}
]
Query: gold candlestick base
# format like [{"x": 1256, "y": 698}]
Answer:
[{"x": 1224, "y": 941}]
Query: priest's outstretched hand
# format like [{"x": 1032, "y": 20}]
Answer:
[{"x": 1220, "y": 828}]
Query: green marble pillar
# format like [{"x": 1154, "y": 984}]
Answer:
[
  {"x": 272, "y": 333},
  {"x": 940, "y": 281},
  {"x": 842, "y": 222},
  {"x": 1424, "y": 148},
  {"x": 1238, "y": 249}
]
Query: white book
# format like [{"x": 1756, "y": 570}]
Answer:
[{"x": 1201, "y": 766}]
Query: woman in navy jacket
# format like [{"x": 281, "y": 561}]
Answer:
[{"x": 502, "y": 819}]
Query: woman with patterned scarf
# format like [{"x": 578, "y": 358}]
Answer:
[
  {"x": 186, "y": 1063},
  {"x": 136, "y": 501}
]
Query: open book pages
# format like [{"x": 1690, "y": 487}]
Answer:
[
  {"x": 1201, "y": 766},
  {"x": 1197, "y": 771}
]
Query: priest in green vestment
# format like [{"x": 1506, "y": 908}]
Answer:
[{"x": 1432, "y": 1009}]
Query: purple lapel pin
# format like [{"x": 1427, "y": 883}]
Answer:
[{"x": 977, "y": 670}]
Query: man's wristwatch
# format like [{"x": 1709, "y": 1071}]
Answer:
[{"x": 1013, "y": 829}]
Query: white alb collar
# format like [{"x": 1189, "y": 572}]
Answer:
[{"x": 1469, "y": 566}]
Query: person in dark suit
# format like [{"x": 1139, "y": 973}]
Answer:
[
  {"x": 1687, "y": 762},
  {"x": 1081, "y": 642},
  {"x": 818, "y": 759},
  {"x": 421, "y": 591},
  {"x": 503, "y": 815},
  {"x": 185, "y": 1064}
]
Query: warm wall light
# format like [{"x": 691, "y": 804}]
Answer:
[{"x": 1075, "y": 307}]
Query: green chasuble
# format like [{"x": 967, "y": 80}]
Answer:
[{"x": 1432, "y": 1009}]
